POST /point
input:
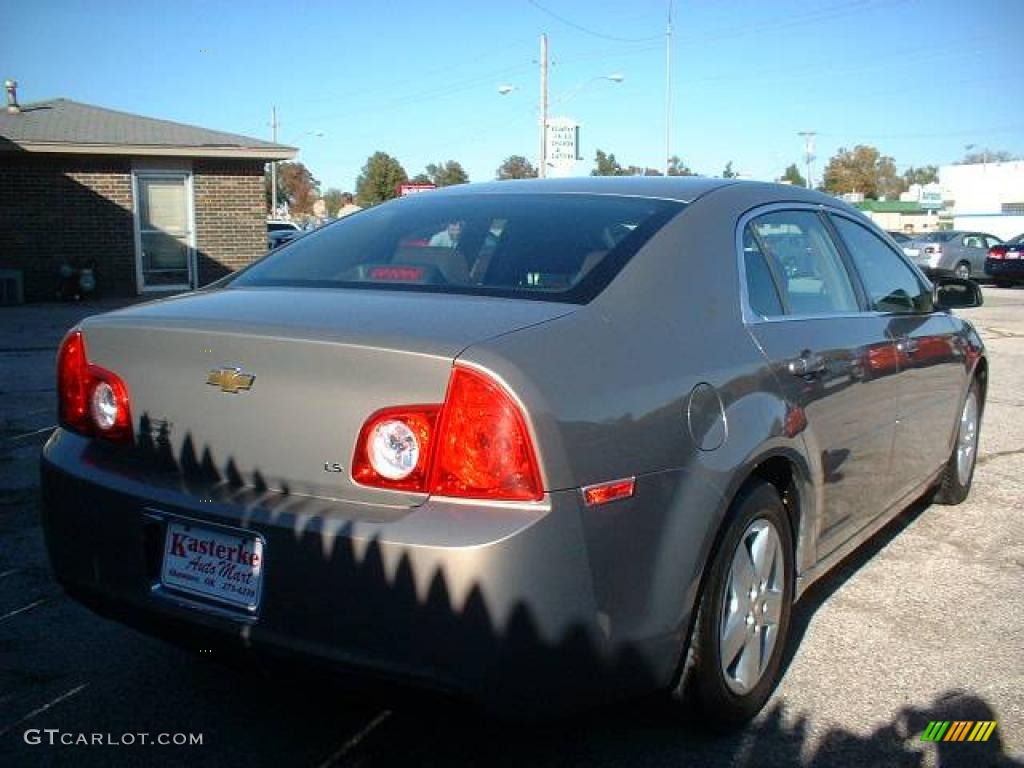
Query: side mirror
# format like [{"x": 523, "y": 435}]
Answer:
[{"x": 955, "y": 293}]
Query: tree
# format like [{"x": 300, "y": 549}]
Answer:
[
  {"x": 636, "y": 170},
  {"x": 516, "y": 167},
  {"x": 987, "y": 156},
  {"x": 927, "y": 175},
  {"x": 677, "y": 167},
  {"x": 728, "y": 172},
  {"x": 863, "y": 169},
  {"x": 446, "y": 174},
  {"x": 295, "y": 186},
  {"x": 282, "y": 196},
  {"x": 792, "y": 175},
  {"x": 332, "y": 197},
  {"x": 380, "y": 179},
  {"x": 607, "y": 165},
  {"x": 420, "y": 178}
]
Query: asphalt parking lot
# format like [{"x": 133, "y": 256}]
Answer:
[{"x": 924, "y": 623}]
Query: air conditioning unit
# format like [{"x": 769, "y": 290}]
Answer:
[{"x": 11, "y": 288}]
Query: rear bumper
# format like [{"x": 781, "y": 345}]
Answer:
[
  {"x": 496, "y": 603},
  {"x": 1005, "y": 269}
]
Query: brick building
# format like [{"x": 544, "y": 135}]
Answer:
[{"x": 154, "y": 205}]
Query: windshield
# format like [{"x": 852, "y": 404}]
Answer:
[
  {"x": 936, "y": 237},
  {"x": 560, "y": 247}
]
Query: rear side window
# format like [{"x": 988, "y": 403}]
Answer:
[
  {"x": 800, "y": 255},
  {"x": 559, "y": 247},
  {"x": 762, "y": 294},
  {"x": 891, "y": 285}
]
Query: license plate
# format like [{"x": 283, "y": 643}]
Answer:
[
  {"x": 221, "y": 564},
  {"x": 912, "y": 252},
  {"x": 1013, "y": 254}
]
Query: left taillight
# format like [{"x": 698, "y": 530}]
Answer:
[
  {"x": 90, "y": 400},
  {"x": 475, "y": 445}
]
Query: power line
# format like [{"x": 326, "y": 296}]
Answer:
[{"x": 587, "y": 31}]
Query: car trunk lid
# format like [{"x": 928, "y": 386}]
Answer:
[{"x": 321, "y": 361}]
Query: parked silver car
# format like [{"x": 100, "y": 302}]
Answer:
[
  {"x": 960, "y": 254},
  {"x": 521, "y": 440}
]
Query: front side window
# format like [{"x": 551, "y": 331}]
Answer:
[
  {"x": 808, "y": 270},
  {"x": 562, "y": 247},
  {"x": 891, "y": 285}
]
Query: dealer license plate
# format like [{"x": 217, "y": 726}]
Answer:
[{"x": 221, "y": 564}]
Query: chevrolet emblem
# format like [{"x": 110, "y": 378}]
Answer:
[{"x": 230, "y": 380}]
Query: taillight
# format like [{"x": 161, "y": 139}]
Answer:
[
  {"x": 933, "y": 249},
  {"x": 90, "y": 400},
  {"x": 484, "y": 450},
  {"x": 476, "y": 445},
  {"x": 394, "y": 447},
  {"x": 73, "y": 384},
  {"x": 997, "y": 252}
]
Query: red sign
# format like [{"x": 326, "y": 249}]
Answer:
[{"x": 412, "y": 189}]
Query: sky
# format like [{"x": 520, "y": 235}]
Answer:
[{"x": 921, "y": 80}]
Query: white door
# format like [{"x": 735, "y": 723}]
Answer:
[{"x": 164, "y": 234}]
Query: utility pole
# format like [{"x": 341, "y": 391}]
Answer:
[
  {"x": 809, "y": 155},
  {"x": 668, "y": 89},
  {"x": 542, "y": 168},
  {"x": 273, "y": 164}
]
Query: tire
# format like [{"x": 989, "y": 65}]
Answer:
[
  {"x": 962, "y": 270},
  {"x": 729, "y": 692},
  {"x": 955, "y": 482}
]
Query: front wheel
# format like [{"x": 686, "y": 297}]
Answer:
[
  {"x": 955, "y": 483},
  {"x": 743, "y": 619}
]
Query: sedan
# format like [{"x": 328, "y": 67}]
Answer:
[
  {"x": 597, "y": 444},
  {"x": 277, "y": 238},
  {"x": 1005, "y": 262},
  {"x": 961, "y": 254}
]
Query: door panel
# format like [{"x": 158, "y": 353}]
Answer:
[
  {"x": 931, "y": 380},
  {"x": 850, "y": 408},
  {"x": 930, "y": 373},
  {"x": 833, "y": 361}
]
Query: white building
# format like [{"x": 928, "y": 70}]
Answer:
[{"x": 987, "y": 197}]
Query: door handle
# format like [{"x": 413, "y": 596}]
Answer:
[
  {"x": 907, "y": 345},
  {"x": 808, "y": 364}
]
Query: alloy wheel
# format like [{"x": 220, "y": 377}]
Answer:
[
  {"x": 752, "y": 607},
  {"x": 967, "y": 439}
]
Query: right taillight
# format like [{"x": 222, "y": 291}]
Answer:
[
  {"x": 997, "y": 252},
  {"x": 90, "y": 400},
  {"x": 484, "y": 450},
  {"x": 476, "y": 445}
]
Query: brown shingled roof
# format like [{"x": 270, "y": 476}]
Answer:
[{"x": 62, "y": 125}]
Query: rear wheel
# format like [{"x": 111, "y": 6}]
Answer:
[
  {"x": 743, "y": 619},
  {"x": 962, "y": 270},
  {"x": 955, "y": 483}
]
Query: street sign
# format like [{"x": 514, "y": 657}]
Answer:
[
  {"x": 412, "y": 189},
  {"x": 931, "y": 197},
  {"x": 563, "y": 142}
]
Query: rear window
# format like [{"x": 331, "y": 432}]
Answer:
[
  {"x": 558, "y": 247},
  {"x": 937, "y": 237}
]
